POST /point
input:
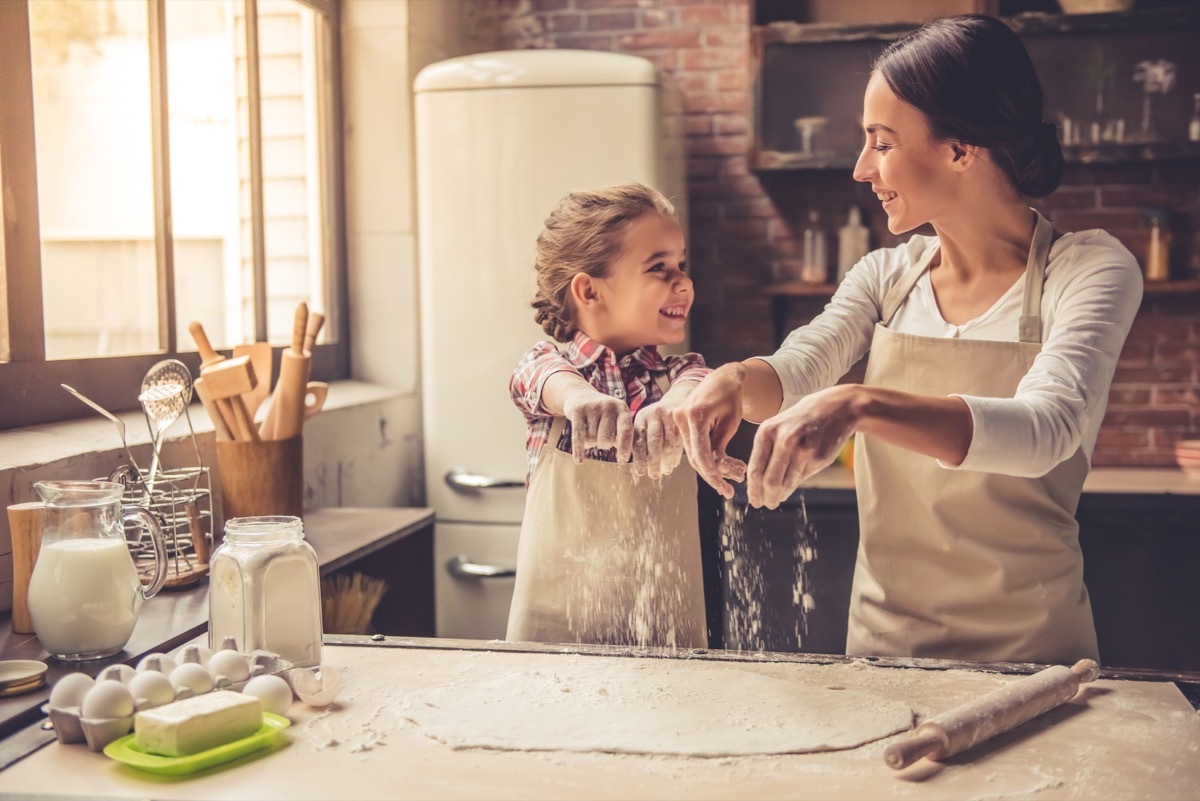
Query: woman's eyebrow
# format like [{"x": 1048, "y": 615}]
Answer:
[
  {"x": 878, "y": 126},
  {"x": 661, "y": 255}
]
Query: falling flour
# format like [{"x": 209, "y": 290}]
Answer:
[{"x": 742, "y": 558}]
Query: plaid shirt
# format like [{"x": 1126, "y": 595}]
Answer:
[{"x": 632, "y": 378}]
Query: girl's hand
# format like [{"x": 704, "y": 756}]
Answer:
[
  {"x": 798, "y": 442},
  {"x": 657, "y": 443},
  {"x": 598, "y": 421},
  {"x": 707, "y": 419}
]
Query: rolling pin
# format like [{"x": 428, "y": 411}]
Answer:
[
  {"x": 960, "y": 728},
  {"x": 285, "y": 416}
]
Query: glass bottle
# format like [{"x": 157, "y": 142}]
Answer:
[
  {"x": 1194, "y": 125},
  {"x": 854, "y": 241},
  {"x": 1158, "y": 247},
  {"x": 815, "y": 268},
  {"x": 265, "y": 590}
]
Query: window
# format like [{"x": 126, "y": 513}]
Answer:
[{"x": 163, "y": 161}]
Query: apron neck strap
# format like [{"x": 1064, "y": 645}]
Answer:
[{"x": 1030, "y": 324}]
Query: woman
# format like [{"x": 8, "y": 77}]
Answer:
[{"x": 992, "y": 347}]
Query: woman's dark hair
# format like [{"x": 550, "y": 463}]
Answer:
[{"x": 972, "y": 78}]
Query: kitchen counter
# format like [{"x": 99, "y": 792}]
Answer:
[
  {"x": 1101, "y": 480},
  {"x": 1116, "y": 739},
  {"x": 341, "y": 537}
]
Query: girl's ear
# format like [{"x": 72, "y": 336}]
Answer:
[{"x": 584, "y": 291}]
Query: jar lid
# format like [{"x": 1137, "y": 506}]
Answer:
[{"x": 21, "y": 676}]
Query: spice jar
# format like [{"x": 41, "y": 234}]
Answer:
[
  {"x": 1158, "y": 246},
  {"x": 265, "y": 590}
]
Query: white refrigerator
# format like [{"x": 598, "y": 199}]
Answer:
[{"x": 500, "y": 137}]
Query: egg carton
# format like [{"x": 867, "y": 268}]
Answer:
[{"x": 70, "y": 726}]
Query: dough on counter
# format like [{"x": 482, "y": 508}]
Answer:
[{"x": 648, "y": 706}]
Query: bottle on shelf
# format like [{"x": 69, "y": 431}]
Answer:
[
  {"x": 854, "y": 241},
  {"x": 1194, "y": 125},
  {"x": 1158, "y": 246},
  {"x": 815, "y": 267}
]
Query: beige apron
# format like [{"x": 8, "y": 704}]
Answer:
[
  {"x": 958, "y": 564},
  {"x": 606, "y": 557}
]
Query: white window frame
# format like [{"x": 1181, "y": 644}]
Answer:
[{"x": 30, "y": 391}]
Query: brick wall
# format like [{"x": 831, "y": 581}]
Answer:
[{"x": 742, "y": 222}]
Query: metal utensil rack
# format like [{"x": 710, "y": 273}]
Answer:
[{"x": 181, "y": 499}]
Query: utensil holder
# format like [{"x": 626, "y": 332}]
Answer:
[
  {"x": 181, "y": 499},
  {"x": 261, "y": 478}
]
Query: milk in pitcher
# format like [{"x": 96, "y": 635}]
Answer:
[{"x": 83, "y": 596}]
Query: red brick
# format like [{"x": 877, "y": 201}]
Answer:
[
  {"x": 698, "y": 124},
  {"x": 658, "y": 40},
  {"x": 1120, "y": 398},
  {"x": 603, "y": 5},
  {"x": 714, "y": 14},
  {"x": 731, "y": 124},
  {"x": 552, "y": 5},
  {"x": 651, "y": 18},
  {"x": 1168, "y": 396},
  {"x": 1123, "y": 438},
  {"x": 1171, "y": 353},
  {"x": 714, "y": 145},
  {"x": 1153, "y": 375},
  {"x": 1141, "y": 197},
  {"x": 749, "y": 227},
  {"x": 709, "y": 58},
  {"x": 741, "y": 209},
  {"x": 1070, "y": 198},
  {"x": 563, "y": 23},
  {"x": 701, "y": 167},
  {"x": 1148, "y": 417},
  {"x": 584, "y": 42},
  {"x": 692, "y": 82},
  {"x": 618, "y": 21},
  {"x": 1126, "y": 458},
  {"x": 1135, "y": 353},
  {"x": 732, "y": 80},
  {"x": 728, "y": 36},
  {"x": 717, "y": 102}
]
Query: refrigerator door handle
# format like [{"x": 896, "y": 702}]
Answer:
[
  {"x": 462, "y": 481},
  {"x": 464, "y": 568}
]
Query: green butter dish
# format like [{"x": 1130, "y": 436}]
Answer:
[{"x": 126, "y": 751}]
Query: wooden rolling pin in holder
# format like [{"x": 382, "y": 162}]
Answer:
[{"x": 967, "y": 725}]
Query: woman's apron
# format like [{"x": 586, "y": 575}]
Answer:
[
  {"x": 959, "y": 564},
  {"x": 607, "y": 557}
]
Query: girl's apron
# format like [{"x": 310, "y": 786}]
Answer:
[
  {"x": 958, "y": 564},
  {"x": 606, "y": 557}
]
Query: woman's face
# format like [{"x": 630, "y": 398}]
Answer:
[{"x": 911, "y": 174}]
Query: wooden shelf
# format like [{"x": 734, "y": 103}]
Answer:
[
  {"x": 800, "y": 289},
  {"x": 1188, "y": 287}
]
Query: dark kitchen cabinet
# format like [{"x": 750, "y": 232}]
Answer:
[{"x": 1141, "y": 552}]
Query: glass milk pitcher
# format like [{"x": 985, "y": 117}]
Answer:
[{"x": 84, "y": 592}]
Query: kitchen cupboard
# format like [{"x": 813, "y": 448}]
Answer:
[{"x": 1140, "y": 552}]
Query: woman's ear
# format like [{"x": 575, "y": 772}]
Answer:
[
  {"x": 584, "y": 291},
  {"x": 963, "y": 156}
]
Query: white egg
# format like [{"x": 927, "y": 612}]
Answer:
[
  {"x": 107, "y": 699},
  {"x": 70, "y": 690},
  {"x": 230, "y": 664},
  {"x": 160, "y": 662},
  {"x": 192, "y": 676},
  {"x": 154, "y": 687},
  {"x": 273, "y": 691}
]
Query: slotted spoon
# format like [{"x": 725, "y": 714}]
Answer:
[{"x": 166, "y": 391}]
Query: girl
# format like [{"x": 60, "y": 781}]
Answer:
[
  {"x": 992, "y": 348},
  {"x": 609, "y": 549}
]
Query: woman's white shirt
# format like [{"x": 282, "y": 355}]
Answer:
[{"x": 1092, "y": 291}]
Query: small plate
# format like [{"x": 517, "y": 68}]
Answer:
[{"x": 125, "y": 750}]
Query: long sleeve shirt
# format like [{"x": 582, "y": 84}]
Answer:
[
  {"x": 1092, "y": 291},
  {"x": 631, "y": 378}
]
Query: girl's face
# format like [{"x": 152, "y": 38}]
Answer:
[
  {"x": 645, "y": 298},
  {"x": 910, "y": 173}
]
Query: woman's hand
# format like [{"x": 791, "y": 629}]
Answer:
[
  {"x": 798, "y": 442},
  {"x": 707, "y": 419}
]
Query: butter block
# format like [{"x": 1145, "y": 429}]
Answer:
[{"x": 196, "y": 724}]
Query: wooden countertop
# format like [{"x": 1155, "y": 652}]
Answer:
[
  {"x": 339, "y": 536},
  {"x": 1116, "y": 739},
  {"x": 1101, "y": 480}
]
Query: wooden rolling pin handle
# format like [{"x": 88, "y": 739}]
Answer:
[
  {"x": 964, "y": 726},
  {"x": 299, "y": 327},
  {"x": 199, "y": 537},
  {"x": 925, "y": 741},
  {"x": 208, "y": 356}
]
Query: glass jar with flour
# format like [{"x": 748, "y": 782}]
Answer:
[{"x": 265, "y": 590}]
